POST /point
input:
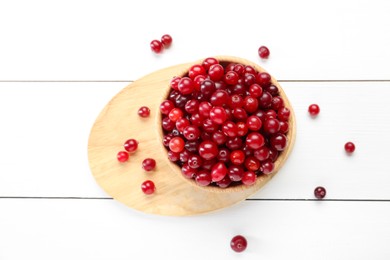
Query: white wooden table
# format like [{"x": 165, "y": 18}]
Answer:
[{"x": 62, "y": 61}]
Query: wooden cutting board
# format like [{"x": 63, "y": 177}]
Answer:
[{"x": 175, "y": 195}]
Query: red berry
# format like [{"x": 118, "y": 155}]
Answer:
[
  {"x": 176, "y": 144},
  {"x": 203, "y": 178},
  {"x": 188, "y": 172},
  {"x": 218, "y": 115},
  {"x": 148, "y": 187},
  {"x": 166, "y": 40},
  {"x": 216, "y": 72},
  {"x": 249, "y": 178},
  {"x": 231, "y": 78},
  {"x": 319, "y": 192},
  {"x": 238, "y": 243},
  {"x": 267, "y": 167},
  {"x": 219, "y": 137},
  {"x": 208, "y": 150},
  {"x": 253, "y": 123},
  {"x": 148, "y": 164},
  {"x": 255, "y": 90},
  {"x": 255, "y": 140},
  {"x": 349, "y": 147},
  {"x": 186, "y": 86},
  {"x": 235, "y": 172},
  {"x": 262, "y": 154},
  {"x": 250, "y": 104},
  {"x": 237, "y": 157},
  {"x": 252, "y": 164},
  {"x": 122, "y": 156},
  {"x": 264, "y": 79},
  {"x": 144, "y": 111},
  {"x": 263, "y": 52},
  {"x": 284, "y": 114},
  {"x": 175, "y": 114},
  {"x": 191, "y": 132},
  {"x": 195, "y": 161},
  {"x": 196, "y": 70},
  {"x": 218, "y": 171},
  {"x": 156, "y": 46},
  {"x": 271, "y": 126},
  {"x": 314, "y": 109},
  {"x": 208, "y": 62},
  {"x": 175, "y": 82},
  {"x": 166, "y": 107},
  {"x": 223, "y": 155},
  {"x": 278, "y": 142},
  {"x": 225, "y": 182},
  {"x": 131, "y": 145}
]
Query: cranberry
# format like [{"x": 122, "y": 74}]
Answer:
[
  {"x": 187, "y": 171},
  {"x": 253, "y": 123},
  {"x": 166, "y": 40},
  {"x": 175, "y": 114},
  {"x": 184, "y": 156},
  {"x": 195, "y": 161},
  {"x": 250, "y": 104},
  {"x": 236, "y": 101},
  {"x": 225, "y": 182},
  {"x": 191, "y": 132},
  {"x": 218, "y": 115},
  {"x": 237, "y": 157},
  {"x": 265, "y": 100},
  {"x": 168, "y": 124},
  {"x": 278, "y": 141},
  {"x": 284, "y": 114},
  {"x": 229, "y": 128},
  {"x": 208, "y": 150},
  {"x": 203, "y": 178},
  {"x": 218, "y": 171},
  {"x": 144, "y": 111},
  {"x": 319, "y": 192},
  {"x": 349, "y": 147},
  {"x": 219, "y": 137},
  {"x": 223, "y": 155},
  {"x": 204, "y": 109},
  {"x": 182, "y": 123},
  {"x": 271, "y": 126},
  {"x": 148, "y": 187},
  {"x": 255, "y": 90},
  {"x": 242, "y": 129},
  {"x": 283, "y": 127},
  {"x": 252, "y": 164},
  {"x": 122, "y": 156},
  {"x": 216, "y": 72},
  {"x": 196, "y": 120},
  {"x": 198, "y": 81},
  {"x": 209, "y": 126},
  {"x": 255, "y": 140},
  {"x": 166, "y": 106},
  {"x": 277, "y": 103},
  {"x": 262, "y": 154},
  {"x": 264, "y": 79},
  {"x": 249, "y": 79},
  {"x": 238, "y": 243},
  {"x": 186, "y": 85},
  {"x": 231, "y": 78},
  {"x": 192, "y": 146},
  {"x": 176, "y": 144},
  {"x": 148, "y": 164},
  {"x": 196, "y": 70},
  {"x": 267, "y": 166},
  {"x": 175, "y": 82},
  {"x": 173, "y": 157},
  {"x": 240, "y": 114},
  {"x": 314, "y": 109},
  {"x": 192, "y": 106},
  {"x": 219, "y": 98},
  {"x": 208, "y": 164},
  {"x": 235, "y": 172},
  {"x": 273, "y": 90},
  {"x": 249, "y": 178},
  {"x": 131, "y": 145},
  {"x": 263, "y": 52},
  {"x": 156, "y": 46},
  {"x": 234, "y": 143},
  {"x": 208, "y": 62}
]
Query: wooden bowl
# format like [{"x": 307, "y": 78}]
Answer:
[{"x": 175, "y": 195}]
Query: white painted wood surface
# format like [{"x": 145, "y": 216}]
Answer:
[{"x": 50, "y": 205}]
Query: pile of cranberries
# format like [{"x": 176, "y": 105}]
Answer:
[{"x": 224, "y": 123}]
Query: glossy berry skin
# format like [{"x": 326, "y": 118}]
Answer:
[
  {"x": 196, "y": 70},
  {"x": 238, "y": 243},
  {"x": 148, "y": 187},
  {"x": 191, "y": 132},
  {"x": 235, "y": 172},
  {"x": 186, "y": 86},
  {"x": 349, "y": 147},
  {"x": 254, "y": 140},
  {"x": 263, "y": 52},
  {"x": 267, "y": 166},
  {"x": 166, "y": 107},
  {"x": 237, "y": 157},
  {"x": 252, "y": 164},
  {"x": 253, "y": 123},
  {"x": 249, "y": 178},
  {"x": 284, "y": 114},
  {"x": 218, "y": 115},
  {"x": 156, "y": 46},
  {"x": 176, "y": 144},
  {"x": 319, "y": 192},
  {"x": 278, "y": 142},
  {"x": 208, "y": 150},
  {"x": 203, "y": 178},
  {"x": 271, "y": 126},
  {"x": 122, "y": 156},
  {"x": 216, "y": 72},
  {"x": 208, "y": 62},
  {"x": 229, "y": 128},
  {"x": 195, "y": 161},
  {"x": 148, "y": 164},
  {"x": 218, "y": 171},
  {"x": 175, "y": 114},
  {"x": 143, "y": 111},
  {"x": 224, "y": 183},
  {"x": 314, "y": 110},
  {"x": 261, "y": 154},
  {"x": 188, "y": 172},
  {"x": 131, "y": 145},
  {"x": 166, "y": 40}
]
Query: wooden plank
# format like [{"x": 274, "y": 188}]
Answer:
[
  {"x": 329, "y": 40},
  {"x": 45, "y": 129},
  {"x": 90, "y": 229}
]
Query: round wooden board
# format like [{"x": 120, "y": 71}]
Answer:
[{"x": 174, "y": 195}]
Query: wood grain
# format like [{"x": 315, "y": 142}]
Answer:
[{"x": 174, "y": 194}]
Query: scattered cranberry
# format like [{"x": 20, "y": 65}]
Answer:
[
  {"x": 148, "y": 187},
  {"x": 166, "y": 40},
  {"x": 156, "y": 46},
  {"x": 349, "y": 147},
  {"x": 144, "y": 111},
  {"x": 122, "y": 156},
  {"x": 263, "y": 52},
  {"x": 238, "y": 243},
  {"x": 224, "y": 124},
  {"x": 131, "y": 145},
  {"x": 314, "y": 109},
  {"x": 148, "y": 164},
  {"x": 319, "y": 192}
]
